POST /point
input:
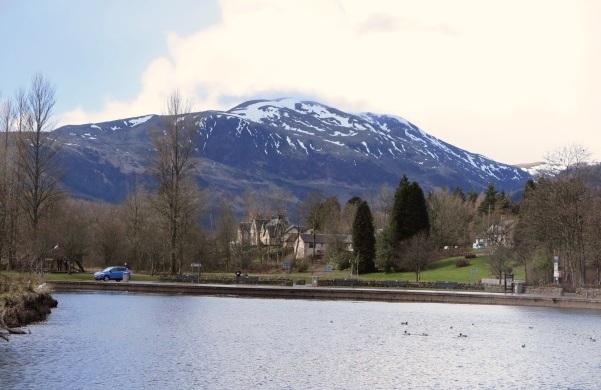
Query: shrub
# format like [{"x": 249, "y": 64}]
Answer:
[
  {"x": 462, "y": 263},
  {"x": 303, "y": 267}
]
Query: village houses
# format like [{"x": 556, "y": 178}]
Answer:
[{"x": 278, "y": 231}]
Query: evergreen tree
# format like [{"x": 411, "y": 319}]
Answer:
[
  {"x": 399, "y": 212},
  {"x": 490, "y": 200},
  {"x": 364, "y": 240},
  {"x": 419, "y": 221},
  {"x": 459, "y": 193},
  {"x": 409, "y": 213},
  {"x": 472, "y": 196},
  {"x": 385, "y": 250},
  {"x": 528, "y": 188}
]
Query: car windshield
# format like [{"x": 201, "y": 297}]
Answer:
[{"x": 107, "y": 269}]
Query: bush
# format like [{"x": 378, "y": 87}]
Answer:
[
  {"x": 303, "y": 267},
  {"x": 342, "y": 261},
  {"x": 459, "y": 263}
]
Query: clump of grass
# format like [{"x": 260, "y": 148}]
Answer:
[{"x": 18, "y": 283}]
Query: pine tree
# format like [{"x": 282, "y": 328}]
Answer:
[
  {"x": 490, "y": 200},
  {"x": 419, "y": 221},
  {"x": 409, "y": 212},
  {"x": 364, "y": 240},
  {"x": 399, "y": 212}
]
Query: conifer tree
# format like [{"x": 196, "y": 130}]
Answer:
[
  {"x": 409, "y": 212},
  {"x": 364, "y": 240},
  {"x": 419, "y": 222},
  {"x": 399, "y": 212},
  {"x": 490, "y": 200}
]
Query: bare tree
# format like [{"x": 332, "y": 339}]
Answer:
[
  {"x": 500, "y": 261},
  {"x": 278, "y": 201},
  {"x": 225, "y": 233},
  {"x": 450, "y": 218},
  {"x": 108, "y": 233},
  {"x": 416, "y": 253},
  {"x": 13, "y": 118},
  {"x": 381, "y": 204},
  {"x": 73, "y": 236},
  {"x": 175, "y": 199},
  {"x": 557, "y": 216},
  {"x": 134, "y": 212},
  {"x": 254, "y": 205},
  {"x": 7, "y": 117},
  {"x": 38, "y": 169},
  {"x": 572, "y": 159}
]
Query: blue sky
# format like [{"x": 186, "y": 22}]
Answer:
[{"x": 512, "y": 80}]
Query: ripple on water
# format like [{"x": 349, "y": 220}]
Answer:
[{"x": 182, "y": 342}]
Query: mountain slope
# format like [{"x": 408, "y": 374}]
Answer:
[{"x": 285, "y": 143}]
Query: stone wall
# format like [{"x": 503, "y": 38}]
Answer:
[
  {"x": 589, "y": 293},
  {"x": 544, "y": 290}
]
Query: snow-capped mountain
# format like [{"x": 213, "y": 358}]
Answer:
[{"x": 296, "y": 145}]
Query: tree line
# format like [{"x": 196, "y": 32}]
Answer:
[{"x": 156, "y": 229}]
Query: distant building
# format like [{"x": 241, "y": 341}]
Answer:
[{"x": 309, "y": 244}]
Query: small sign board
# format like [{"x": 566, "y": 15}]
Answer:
[
  {"x": 327, "y": 269},
  {"x": 286, "y": 264},
  {"x": 195, "y": 265},
  {"x": 474, "y": 270}
]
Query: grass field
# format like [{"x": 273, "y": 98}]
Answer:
[
  {"x": 439, "y": 271},
  {"x": 446, "y": 271}
]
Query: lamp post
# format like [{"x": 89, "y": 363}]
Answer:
[{"x": 314, "y": 245}]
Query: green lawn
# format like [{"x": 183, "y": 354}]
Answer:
[
  {"x": 439, "y": 271},
  {"x": 446, "y": 271},
  {"x": 79, "y": 276}
]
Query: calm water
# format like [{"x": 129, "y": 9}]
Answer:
[{"x": 112, "y": 341}]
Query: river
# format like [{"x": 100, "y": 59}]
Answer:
[{"x": 140, "y": 341}]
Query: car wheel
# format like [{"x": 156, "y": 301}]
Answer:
[
  {"x": 106, "y": 278},
  {"x": 118, "y": 280}
]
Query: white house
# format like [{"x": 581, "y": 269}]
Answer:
[{"x": 309, "y": 244}]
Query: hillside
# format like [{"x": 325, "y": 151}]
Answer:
[{"x": 286, "y": 144}]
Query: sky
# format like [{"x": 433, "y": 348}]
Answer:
[{"x": 513, "y": 80}]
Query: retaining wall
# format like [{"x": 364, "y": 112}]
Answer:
[{"x": 337, "y": 293}]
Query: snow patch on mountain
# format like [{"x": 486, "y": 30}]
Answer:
[{"x": 138, "y": 121}]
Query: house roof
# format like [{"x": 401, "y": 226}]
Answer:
[{"x": 323, "y": 238}]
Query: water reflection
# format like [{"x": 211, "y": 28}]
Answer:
[{"x": 107, "y": 341}]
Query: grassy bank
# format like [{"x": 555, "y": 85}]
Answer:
[
  {"x": 22, "y": 301},
  {"x": 443, "y": 270}
]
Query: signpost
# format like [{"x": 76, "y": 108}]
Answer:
[
  {"x": 286, "y": 265},
  {"x": 196, "y": 267},
  {"x": 474, "y": 270},
  {"x": 556, "y": 269}
]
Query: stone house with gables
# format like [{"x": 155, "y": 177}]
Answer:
[
  {"x": 273, "y": 230},
  {"x": 249, "y": 233},
  {"x": 278, "y": 231},
  {"x": 262, "y": 231}
]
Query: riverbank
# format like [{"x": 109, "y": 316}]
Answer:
[
  {"x": 23, "y": 305},
  {"x": 334, "y": 293}
]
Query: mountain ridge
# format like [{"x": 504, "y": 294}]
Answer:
[{"x": 285, "y": 143}]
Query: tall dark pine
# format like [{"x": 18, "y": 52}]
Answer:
[
  {"x": 409, "y": 212},
  {"x": 364, "y": 240},
  {"x": 419, "y": 221},
  {"x": 490, "y": 200},
  {"x": 398, "y": 228}
]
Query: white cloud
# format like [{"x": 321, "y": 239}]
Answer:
[{"x": 480, "y": 75}]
